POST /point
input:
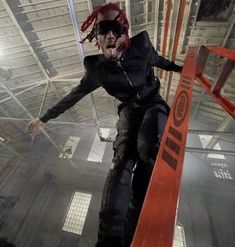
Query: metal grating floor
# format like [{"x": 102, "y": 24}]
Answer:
[
  {"x": 45, "y": 185},
  {"x": 6, "y": 205}
]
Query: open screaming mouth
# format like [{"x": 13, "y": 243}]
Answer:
[{"x": 111, "y": 46}]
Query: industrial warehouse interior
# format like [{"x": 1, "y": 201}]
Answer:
[{"x": 51, "y": 185}]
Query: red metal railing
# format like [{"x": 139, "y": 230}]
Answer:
[{"x": 158, "y": 216}]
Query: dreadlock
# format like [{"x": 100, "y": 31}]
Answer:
[{"x": 92, "y": 18}]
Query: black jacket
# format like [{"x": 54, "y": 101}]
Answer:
[{"x": 129, "y": 79}]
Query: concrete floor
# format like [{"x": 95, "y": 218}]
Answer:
[{"x": 40, "y": 186}]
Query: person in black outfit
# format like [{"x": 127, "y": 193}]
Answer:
[{"x": 125, "y": 71}]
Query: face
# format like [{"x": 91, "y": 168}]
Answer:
[{"x": 110, "y": 34}]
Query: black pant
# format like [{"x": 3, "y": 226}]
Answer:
[{"x": 140, "y": 129}]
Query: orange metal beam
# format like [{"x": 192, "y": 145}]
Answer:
[
  {"x": 166, "y": 28},
  {"x": 230, "y": 54},
  {"x": 176, "y": 42},
  {"x": 214, "y": 90},
  {"x": 225, "y": 103},
  {"x": 157, "y": 220}
]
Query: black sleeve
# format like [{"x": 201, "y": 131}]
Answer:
[
  {"x": 152, "y": 55},
  {"x": 163, "y": 63},
  {"x": 86, "y": 86}
]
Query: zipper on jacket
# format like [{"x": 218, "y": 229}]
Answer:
[{"x": 127, "y": 77}]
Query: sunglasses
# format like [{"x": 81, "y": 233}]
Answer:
[{"x": 103, "y": 27}]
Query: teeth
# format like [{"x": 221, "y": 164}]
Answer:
[{"x": 111, "y": 46}]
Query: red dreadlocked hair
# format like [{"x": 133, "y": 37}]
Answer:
[{"x": 93, "y": 18}]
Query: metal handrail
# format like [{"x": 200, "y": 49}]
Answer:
[{"x": 156, "y": 223}]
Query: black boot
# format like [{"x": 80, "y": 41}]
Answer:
[
  {"x": 131, "y": 222},
  {"x": 140, "y": 183},
  {"x": 116, "y": 196}
]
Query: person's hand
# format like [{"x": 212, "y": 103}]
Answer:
[
  {"x": 178, "y": 68},
  {"x": 34, "y": 126}
]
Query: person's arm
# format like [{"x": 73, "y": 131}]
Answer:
[
  {"x": 71, "y": 99},
  {"x": 87, "y": 85},
  {"x": 164, "y": 63},
  {"x": 143, "y": 41}
]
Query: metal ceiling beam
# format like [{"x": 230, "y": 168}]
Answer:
[
  {"x": 56, "y": 37},
  {"x": 23, "y": 36},
  {"x": 19, "y": 130},
  {"x": 149, "y": 24},
  {"x": 178, "y": 13},
  {"x": 167, "y": 10},
  {"x": 12, "y": 137},
  {"x": 16, "y": 46},
  {"x": 51, "y": 122},
  {"x": 170, "y": 39},
  {"x": 54, "y": 44},
  {"x": 209, "y": 132},
  {"x": 230, "y": 28},
  {"x": 76, "y": 28},
  {"x": 73, "y": 15},
  {"x": 25, "y": 75},
  {"x": 55, "y": 78},
  {"x": 61, "y": 48},
  {"x": 23, "y": 108},
  {"x": 39, "y": 83},
  {"x": 10, "y": 149},
  {"x": 156, "y": 20},
  {"x": 166, "y": 26},
  {"x": 32, "y": 4},
  {"x": 146, "y": 11},
  {"x": 43, "y": 18},
  {"x": 44, "y": 71},
  {"x": 13, "y": 53},
  {"x": 15, "y": 119},
  {"x": 43, "y": 99},
  {"x": 49, "y": 28},
  {"x": 70, "y": 73},
  {"x": 60, "y": 97},
  {"x": 145, "y": 14},
  {"x": 43, "y": 9},
  {"x": 67, "y": 64},
  {"x": 23, "y": 91},
  {"x": 90, "y": 7},
  {"x": 203, "y": 37},
  {"x": 67, "y": 80},
  {"x": 187, "y": 29},
  {"x": 225, "y": 125},
  {"x": 31, "y": 117},
  {"x": 197, "y": 11},
  {"x": 128, "y": 14},
  {"x": 209, "y": 150},
  {"x": 9, "y": 35},
  {"x": 174, "y": 19}
]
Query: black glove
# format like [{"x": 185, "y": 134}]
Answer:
[{"x": 177, "y": 68}]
